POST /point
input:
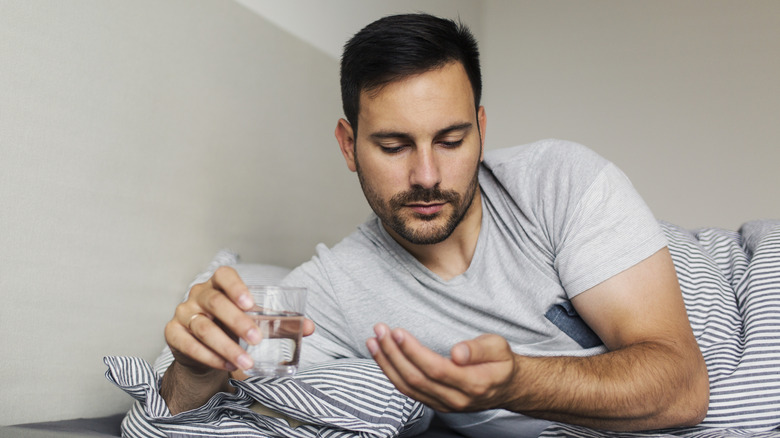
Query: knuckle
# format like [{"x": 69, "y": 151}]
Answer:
[
  {"x": 183, "y": 309},
  {"x": 196, "y": 290},
  {"x": 494, "y": 340},
  {"x": 223, "y": 272},
  {"x": 415, "y": 380},
  {"x": 458, "y": 404},
  {"x": 190, "y": 350},
  {"x": 213, "y": 299},
  {"x": 478, "y": 389},
  {"x": 169, "y": 331},
  {"x": 436, "y": 373}
]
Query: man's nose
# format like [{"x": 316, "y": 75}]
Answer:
[{"x": 425, "y": 168}]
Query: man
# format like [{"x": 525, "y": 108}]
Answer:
[{"x": 486, "y": 266}]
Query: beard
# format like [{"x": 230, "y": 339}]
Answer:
[{"x": 434, "y": 228}]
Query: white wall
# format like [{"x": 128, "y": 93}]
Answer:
[
  {"x": 683, "y": 95},
  {"x": 138, "y": 138},
  {"x": 327, "y": 25}
]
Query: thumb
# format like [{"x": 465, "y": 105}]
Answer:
[
  {"x": 484, "y": 348},
  {"x": 308, "y": 327}
]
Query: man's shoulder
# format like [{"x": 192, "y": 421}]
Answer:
[
  {"x": 548, "y": 163},
  {"x": 552, "y": 152}
]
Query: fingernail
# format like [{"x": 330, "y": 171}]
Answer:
[
  {"x": 244, "y": 361},
  {"x": 246, "y": 302},
  {"x": 398, "y": 337},
  {"x": 380, "y": 331},
  {"x": 253, "y": 336},
  {"x": 372, "y": 346},
  {"x": 230, "y": 366},
  {"x": 461, "y": 353}
]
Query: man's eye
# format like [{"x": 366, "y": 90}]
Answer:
[
  {"x": 392, "y": 149},
  {"x": 452, "y": 144}
]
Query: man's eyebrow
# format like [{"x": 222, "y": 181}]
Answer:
[
  {"x": 458, "y": 127},
  {"x": 402, "y": 135},
  {"x": 381, "y": 135}
]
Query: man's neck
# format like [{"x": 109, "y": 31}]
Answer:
[{"x": 451, "y": 257}]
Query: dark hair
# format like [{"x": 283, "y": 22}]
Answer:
[{"x": 399, "y": 46}]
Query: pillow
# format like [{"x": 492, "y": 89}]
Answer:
[
  {"x": 342, "y": 398},
  {"x": 731, "y": 288}
]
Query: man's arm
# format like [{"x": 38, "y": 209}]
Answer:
[{"x": 653, "y": 376}]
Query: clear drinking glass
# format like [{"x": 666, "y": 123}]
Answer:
[{"x": 278, "y": 313}]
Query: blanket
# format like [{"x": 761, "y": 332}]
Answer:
[
  {"x": 339, "y": 399},
  {"x": 730, "y": 282}
]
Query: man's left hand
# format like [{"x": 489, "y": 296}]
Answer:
[{"x": 476, "y": 377}]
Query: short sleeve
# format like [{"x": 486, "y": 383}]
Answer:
[{"x": 610, "y": 230}]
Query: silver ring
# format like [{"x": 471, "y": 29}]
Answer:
[{"x": 192, "y": 318}]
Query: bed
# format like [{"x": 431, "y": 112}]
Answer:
[{"x": 731, "y": 287}]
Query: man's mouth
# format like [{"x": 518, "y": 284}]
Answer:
[{"x": 426, "y": 209}]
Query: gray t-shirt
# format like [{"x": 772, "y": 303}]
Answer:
[{"x": 557, "y": 220}]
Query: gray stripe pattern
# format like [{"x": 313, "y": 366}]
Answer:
[
  {"x": 731, "y": 287},
  {"x": 342, "y": 398}
]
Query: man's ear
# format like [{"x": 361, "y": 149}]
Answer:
[
  {"x": 346, "y": 138},
  {"x": 482, "y": 120}
]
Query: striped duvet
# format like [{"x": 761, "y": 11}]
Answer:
[{"x": 731, "y": 287}]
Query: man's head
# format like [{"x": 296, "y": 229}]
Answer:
[
  {"x": 420, "y": 142},
  {"x": 398, "y": 46}
]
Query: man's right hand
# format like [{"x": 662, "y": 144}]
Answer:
[
  {"x": 204, "y": 331},
  {"x": 203, "y": 337}
]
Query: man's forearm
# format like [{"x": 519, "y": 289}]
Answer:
[
  {"x": 184, "y": 390},
  {"x": 644, "y": 386}
]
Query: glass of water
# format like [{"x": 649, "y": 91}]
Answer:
[{"x": 278, "y": 313}]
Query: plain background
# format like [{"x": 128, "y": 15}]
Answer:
[{"x": 137, "y": 138}]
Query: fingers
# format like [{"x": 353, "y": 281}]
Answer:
[
  {"x": 474, "y": 379},
  {"x": 219, "y": 307},
  {"x": 461, "y": 354},
  {"x": 485, "y": 348},
  {"x": 211, "y": 340},
  {"x": 308, "y": 327},
  {"x": 194, "y": 354},
  {"x": 227, "y": 280},
  {"x": 415, "y": 370}
]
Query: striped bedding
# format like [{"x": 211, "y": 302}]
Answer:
[
  {"x": 344, "y": 398},
  {"x": 731, "y": 287}
]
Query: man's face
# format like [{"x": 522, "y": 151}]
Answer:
[{"x": 417, "y": 152}]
